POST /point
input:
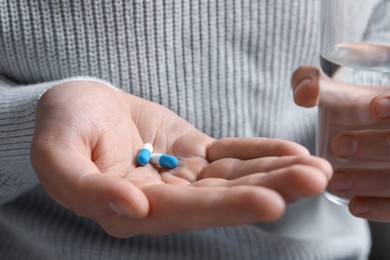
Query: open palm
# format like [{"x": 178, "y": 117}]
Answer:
[{"x": 84, "y": 152}]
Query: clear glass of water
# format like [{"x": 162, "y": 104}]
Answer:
[{"x": 355, "y": 68}]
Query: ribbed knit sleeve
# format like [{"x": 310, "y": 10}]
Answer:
[{"x": 17, "y": 121}]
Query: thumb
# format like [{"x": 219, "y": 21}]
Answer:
[
  {"x": 380, "y": 106},
  {"x": 305, "y": 85},
  {"x": 73, "y": 180},
  {"x": 107, "y": 194}
]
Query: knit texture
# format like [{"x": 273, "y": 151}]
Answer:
[{"x": 224, "y": 65}]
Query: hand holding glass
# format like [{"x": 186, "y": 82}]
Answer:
[{"x": 355, "y": 68}]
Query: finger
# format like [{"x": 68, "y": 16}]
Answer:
[
  {"x": 293, "y": 182},
  {"x": 179, "y": 208},
  {"x": 231, "y": 168},
  {"x": 251, "y": 148},
  {"x": 108, "y": 194},
  {"x": 347, "y": 104},
  {"x": 343, "y": 103},
  {"x": 368, "y": 145},
  {"x": 361, "y": 182},
  {"x": 380, "y": 107},
  {"x": 374, "y": 209},
  {"x": 366, "y": 55},
  {"x": 305, "y": 85}
]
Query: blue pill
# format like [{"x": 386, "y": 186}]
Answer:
[
  {"x": 165, "y": 160},
  {"x": 145, "y": 154}
]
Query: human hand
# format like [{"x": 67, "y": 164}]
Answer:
[
  {"x": 367, "y": 187},
  {"x": 88, "y": 136}
]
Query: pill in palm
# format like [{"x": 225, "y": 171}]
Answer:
[
  {"x": 165, "y": 160},
  {"x": 145, "y": 154}
]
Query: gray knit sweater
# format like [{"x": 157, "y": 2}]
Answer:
[{"x": 224, "y": 65}]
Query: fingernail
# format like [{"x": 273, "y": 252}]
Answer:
[
  {"x": 121, "y": 208},
  {"x": 383, "y": 108},
  {"x": 302, "y": 83},
  {"x": 340, "y": 182},
  {"x": 345, "y": 145},
  {"x": 360, "y": 208}
]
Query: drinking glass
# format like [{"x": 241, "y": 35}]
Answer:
[{"x": 355, "y": 68}]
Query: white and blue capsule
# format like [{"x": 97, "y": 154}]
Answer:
[
  {"x": 164, "y": 160},
  {"x": 145, "y": 154}
]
